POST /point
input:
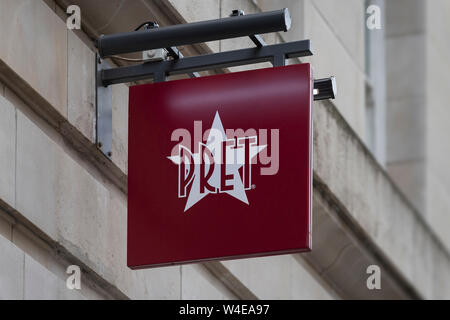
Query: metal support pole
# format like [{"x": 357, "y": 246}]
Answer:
[
  {"x": 256, "y": 38},
  {"x": 183, "y": 34}
]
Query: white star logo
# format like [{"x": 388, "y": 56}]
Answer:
[{"x": 234, "y": 160}]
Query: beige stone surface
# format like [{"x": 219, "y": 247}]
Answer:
[
  {"x": 410, "y": 176},
  {"x": 405, "y": 73},
  {"x": 52, "y": 266},
  {"x": 120, "y": 126},
  {"x": 11, "y": 270},
  {"x": 40, "y": 60},
  {"x": 406, "y": 106},
  {"x": 51, "y": 4},
  {"x": 437, "y": 25},
  {"x": 7, "y": 151},
  {"x": 81, "y": 86},
  {"x": 198, "y": 283},
  {"x": 379, "y": 209},
  {"x": 87, "y": 217},
  {"x": 338, "y": 259},
  {"x": 347, "y": 20},
  {"x": 5, "y": 226},
  {"x": 406, "y": 16},
  {"x": 31, "y": 245},
  {"x": 406, "y": 125},
  {"x": 332, "y": 59},
  {"x": 438, "y": 204},
  {"x": 73, "y": 204},
  {"x": 437, "y": 120},
  {"x": 305, "y": 285},
  {"x": 39, "y": 165},
  {"x": 41, "y": 284},
  {"x": 277, "y": 277}
]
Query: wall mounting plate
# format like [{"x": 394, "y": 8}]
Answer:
[{"x": 103, "y": 110}]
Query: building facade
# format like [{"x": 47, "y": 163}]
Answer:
[{"x": 381, "y": 175}]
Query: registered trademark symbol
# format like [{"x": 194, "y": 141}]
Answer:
[{"x": 253, "y": 186}]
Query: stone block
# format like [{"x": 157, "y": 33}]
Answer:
[
  {"x": 40, "y": 60},
  {"x": 198, "y": 283},
  {"x": 405, "y": 129},
  {"x": 81, "y": 86},
  {"x": 437, "y": 115},
  {"x": 437, "y": 15},
  {"x": 405, "y": 17},
  {"x": 405, "y": 75},
  {"x": 40, "y": 284},
  {"x": 5, "y": 226},
  {"x": 305, "y": 284},
  {"x": 332, "y": 59},
  {"x": 39, "y": 165},
  {"x": 51, "y": 4},
  {"x": 328, "y": 239},
  {"x": 348, "y": 24},
  {"x": 274, "y": 277},
  {"x": 11, "y": 270},
  {"x": 88, "y": 218},
  {"x": 7, "y": 151},
  {"x": 437, "y": 206},
  {"x": 377, "y": 208},
  {"x": 410, "y": 177},
  {"x": 32, "y": 246}
]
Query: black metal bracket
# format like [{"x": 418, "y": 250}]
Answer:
[
  {"x": 324, "y": 89},
  {"x": 237, "y": 25},
  {"x": 103, "y": 124},
  {"x": 276, "y": 54}
]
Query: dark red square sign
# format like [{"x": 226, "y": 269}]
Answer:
[{"x": 220, "y": 167}]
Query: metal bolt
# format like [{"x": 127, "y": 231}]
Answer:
[
  {"x": 109, "y": 154},
  {"x": 236, "y": 13},
  {"x": 151, "y": 25},
  {"x": 99, "y": 144}
]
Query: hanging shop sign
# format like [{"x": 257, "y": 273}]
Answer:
[{"x": 220, "y": 167}]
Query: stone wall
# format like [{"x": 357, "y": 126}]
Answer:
[{"x": 62, "y": 202}]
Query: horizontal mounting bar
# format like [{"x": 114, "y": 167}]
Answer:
[
  {"x": 197, "y": 32},
  {"x": 176, "y": 54},
  {"x": 207, "y": 62}
]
